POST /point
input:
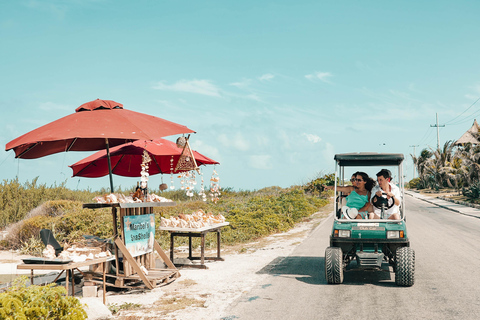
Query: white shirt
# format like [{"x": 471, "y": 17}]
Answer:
[{"x": 395, "y": 209}]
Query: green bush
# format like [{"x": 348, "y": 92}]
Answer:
[
  {"x": 315, "y": 187},
  {"x": 39, "y": 302},
  {"x": 414, "y": 183},
  {"x": 69, "y": 224},
  {"x": 16, "y": 200}
]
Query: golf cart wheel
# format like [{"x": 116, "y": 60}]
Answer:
[
  {"x": 334, "y": 265},
  {"x": 405, "y": 267}
]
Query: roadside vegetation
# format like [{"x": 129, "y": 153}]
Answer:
[
  {"x": 27, "y": 208},
  {"x": 456, "y": 168},
  {"x": 20, "y": 301}
]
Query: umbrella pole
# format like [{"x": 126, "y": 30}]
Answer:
[{"x": 110, "y": 174}]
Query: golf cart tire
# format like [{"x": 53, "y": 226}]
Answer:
[
  {"x": 405, "y": 267},
  {"x": 334, "y": 265}
]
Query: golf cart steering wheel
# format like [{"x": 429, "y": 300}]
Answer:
[{"x": 379, "y": 201}]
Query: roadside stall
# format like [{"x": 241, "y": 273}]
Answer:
[
  {"x": 99, "y": 125},
  {"x": 162, "y": 156}
]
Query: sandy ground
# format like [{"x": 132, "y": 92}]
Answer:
[{"x": 198, "y": 293}]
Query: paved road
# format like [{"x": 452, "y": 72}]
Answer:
[{"x": 447, "y": 277}]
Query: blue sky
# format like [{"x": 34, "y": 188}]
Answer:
[{"x": 273, "y": 88}]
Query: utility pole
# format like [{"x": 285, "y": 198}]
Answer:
[
  {"x": 438, "y": 137},
  {"x": 414, "y": 156}
]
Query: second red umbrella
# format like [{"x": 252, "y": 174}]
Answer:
[{"x": 126, "y": 159}]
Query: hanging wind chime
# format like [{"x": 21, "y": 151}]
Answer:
[
  {"x": 214, "y": 186},
  {"x": 144, "y": 173},
  {"x": 188, "y": 165}
]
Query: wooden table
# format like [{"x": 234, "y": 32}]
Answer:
[
  {"x": 71, "y": 266},
  {"x": 195, "y": 233}
]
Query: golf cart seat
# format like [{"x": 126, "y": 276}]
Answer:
[{"x": 341, "y": 201}]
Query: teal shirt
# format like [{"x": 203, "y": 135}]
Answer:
[{"x": 355, "y": 200}]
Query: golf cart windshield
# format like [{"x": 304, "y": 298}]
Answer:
[{"x": 349, "y": 163}]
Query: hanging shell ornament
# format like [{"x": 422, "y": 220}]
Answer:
[{"x": 181, "y": 141}]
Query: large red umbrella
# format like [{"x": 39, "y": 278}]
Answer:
[
  {"x": 126, "y": 159},
  {"x": 95, "y": 125}
]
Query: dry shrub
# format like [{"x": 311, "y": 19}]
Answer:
[{"x": 68, "y": 221}]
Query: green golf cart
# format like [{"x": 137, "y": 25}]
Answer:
[{"x": 372, "y": 243}]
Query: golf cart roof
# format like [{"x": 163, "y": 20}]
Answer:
[{"x": 368, "y": 159}]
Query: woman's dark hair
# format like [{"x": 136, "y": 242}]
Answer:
[{"x": 369, "y": 182}]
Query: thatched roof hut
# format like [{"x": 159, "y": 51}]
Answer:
[{"x": 470, "y": 135}]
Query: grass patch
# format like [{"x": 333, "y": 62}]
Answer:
[
  {"x": 187, "y": 282},
  {"x": 116, "y": 308},
  {"x": 169, "y": 304}
]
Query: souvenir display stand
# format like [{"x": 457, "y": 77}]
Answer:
[
  {"x": 195, "y": 233},
  {"x": 139, "y": 268}
]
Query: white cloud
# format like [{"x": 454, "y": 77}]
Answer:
[
  {"x": 322, "y": 76},
  {"x": 312, "y": 138},
  {"x": 238, "y": 141},
  {"x": 206, "y": 150},
  {"x": 471, "y": 97},
  {"x": 262, "y": 162},
  {"x": 476, "y": 88},
  {"x": 244, "y": 83},
  {"x": 328, "y": 152},
  {"x": 285, "y": 138},
  {"x": 266, "y": 77},
  {"x": 57, "y": 9},
  {"x": 204, "y": 87},
  {"x": 254, "y": 97}
]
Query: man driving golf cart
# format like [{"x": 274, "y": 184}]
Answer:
[{"x": 386, "y": 195}]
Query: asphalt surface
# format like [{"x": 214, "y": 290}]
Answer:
[
  {"x": 445, "y": 237},
  {"x": 455, "y": 207}
]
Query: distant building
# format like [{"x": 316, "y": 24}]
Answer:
[{"x": 470, "y": 136}]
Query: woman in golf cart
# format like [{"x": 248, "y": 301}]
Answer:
[{"x": 359, "y": 196}]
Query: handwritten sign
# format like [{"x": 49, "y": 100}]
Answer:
[{"x": 139, "y": 233}]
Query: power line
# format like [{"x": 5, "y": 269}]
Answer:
[
  {"x": 451, "y": 120},
  {"x": 425, "y": 136}
]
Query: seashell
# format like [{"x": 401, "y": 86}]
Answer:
[
  {"x": 183, "y": 224},
  {"x": 163, "y": 222},
  {"x": 174, "y": 222}
]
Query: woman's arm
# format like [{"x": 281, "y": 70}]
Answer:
[
  {"x": 367, "y": 206},
  {"x": 341, "y": 189}
]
